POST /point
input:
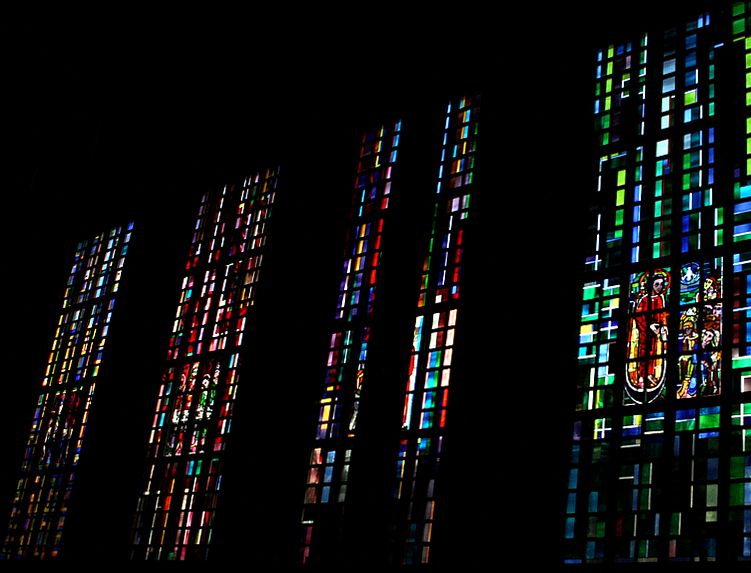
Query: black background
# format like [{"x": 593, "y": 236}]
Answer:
[{"x": 111, "y": 117}]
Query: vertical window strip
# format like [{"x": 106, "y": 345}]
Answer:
[
  {"x": 426, "y": 399},
  {"x": 58, "y": 427},
  {"x": 347, "y": 359},
  {"x": 193, "y": 416},
  {"x": 742, "y": 188}
]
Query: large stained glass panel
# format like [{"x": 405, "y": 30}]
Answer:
[
  {"x": 666, "y": 480},
  {"x": 55, "y": 443},
  {"x": 196, "y": 398}
]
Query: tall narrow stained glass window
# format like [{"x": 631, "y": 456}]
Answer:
[
  {"x": 55, "y": 442},
  {"x": 659, "y": 468},
  {"x": 334, "y": 448},
  {"x": 193, "y": 416},
  {"x": 740, "y": 299},
  {"x": 426, "y": 396}
]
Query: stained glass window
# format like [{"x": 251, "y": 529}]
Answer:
[
  {"x": 660, "y": 382},
  {"x": 426, "y": 397},
  {"x": 334, "y": 449},
  {"x": 55, "y": 443},
  {"x": 192, "y": 419}
]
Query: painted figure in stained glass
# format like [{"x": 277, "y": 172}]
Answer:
[
  {"x": 204, "y": 410},
  {"x": 689, "y": 344},
  {"x": 185, "y": 397},
  {"x": 193, "y": 410},
  {"x": 56, "y": 445},
  {"x": 647, "y": 337},
  {"x": 356, "y": 403},
  {"x": 689, "y": 335},
  {"x": 72, "y": 414},
  {"x": 711, "y": 337},
  {"x": 700, "y": 332},
  {"x": 181, "y": 413},
  {"x": 710, "y": 357},
  {"x": 208, "y": 394}
]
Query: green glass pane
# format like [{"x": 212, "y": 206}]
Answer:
[
  {"x": 620, "y": 197},
  {"x": 590, "y": 292},
  {"x": 709, "y": 421},
  {"x": 737, "y": 467},
  {"x": 737, "y": 494}
]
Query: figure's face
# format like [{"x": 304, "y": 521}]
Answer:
[
  {"x": 657, "y": 285},
  {"x": 708, "y": 284}
]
